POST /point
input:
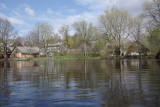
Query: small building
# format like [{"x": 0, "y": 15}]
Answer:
[
  {"x": 11, "y": 46},
  {"x": 26, "y": 52},
  {"x": 135, "y": 50},
  {"x": 56, "y": 47},
  {"x": 8, "y": 52},
  {"x": 52, "y": 49}
]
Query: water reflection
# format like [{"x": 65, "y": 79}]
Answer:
[{"x": 109, "y": 83}]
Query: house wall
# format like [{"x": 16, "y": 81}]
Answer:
[
  {"x": 21, "y": 55},
  {"x": 27, "y": 56}
]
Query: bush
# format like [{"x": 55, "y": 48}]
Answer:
[
  {"x": 94, "y": 55},
  {"x": 117, "y": 51}
]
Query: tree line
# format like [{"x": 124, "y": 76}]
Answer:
[{"x": 115, "y": 28}]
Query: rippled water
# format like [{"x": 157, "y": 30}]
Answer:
[{"x": 111, "y": 83}]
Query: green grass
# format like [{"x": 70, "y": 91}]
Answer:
[
  {"x": 68, "y": 57},
  {"x": 22, "y": 59}
]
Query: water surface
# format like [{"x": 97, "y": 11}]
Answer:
[{"x": 111, "y": 83}]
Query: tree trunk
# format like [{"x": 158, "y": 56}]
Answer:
[
  {"x": 140, "y": 50},
  {"x": 84, "y": 46},
  {"x": 5, "y": 57},
  {"x": 119, "y": 46},
  {"x": 5, "y": 53},
  {"x": 158, "y": 54}
]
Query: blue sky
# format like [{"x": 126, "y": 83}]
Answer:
[{"x": 24, "y": 14}]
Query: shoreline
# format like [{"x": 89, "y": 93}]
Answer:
[{"x": 80, "y": 58}]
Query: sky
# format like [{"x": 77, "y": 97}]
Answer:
[{"x": 24, "y": 14}]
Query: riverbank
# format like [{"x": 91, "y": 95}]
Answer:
[
  {"x": 69, "y": 57},
  {"x": 94, "y": 57},
  {"x": 81, "y": 57}
]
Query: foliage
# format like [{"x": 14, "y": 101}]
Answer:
[
  {"x": 70, "y": 42},
  {"x": 77, "y": 41},
  {"x": 94, "y": 55},
  {"x": 154, "y": 40},
  {"x": 86, "y": 31},
  {"x": 117, "y": 51},
  {"x": 99, "y": 45},
  {"x": 116, "y": 25},
  {"x": 64, "y": 30}
]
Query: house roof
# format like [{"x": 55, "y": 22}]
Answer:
[
  {"x": 17, "y": 43},
  {"x": 55, "y": 44},
  {"x": 10, "y": 49},
  {"x": 28, "y": 50}
]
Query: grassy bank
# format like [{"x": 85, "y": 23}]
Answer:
[
  {"x": 92, "y": 56},
  {"x": 69, "y": 57}
]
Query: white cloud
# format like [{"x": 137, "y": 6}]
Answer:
[
  {"x": 96, "y": 4},
  {"x": 3, "y": 6},
  {"x": 29, "y": 11},
  {"x": 50, "y": 11},
  {"x": 88, "y": 16},
  {"x": 12, "y": 20},
  {"x": 3, "y": 16},
  {"x": 16, "y": 13},
  {"x": 133, "y": 6},
  {"x": 16, "y": 21},
  {"x": 71, "y": 10}
]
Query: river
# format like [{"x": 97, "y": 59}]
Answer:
[{"x": 70, "y": 83}]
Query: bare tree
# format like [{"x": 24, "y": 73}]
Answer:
[
  {"x": 64, "y": 30},
  {"x": 40, "y": 36},
  {"x": 86, "y": 31},
  {"x": 45, "y": 32},
  {"x": 138, "y": 31},
  {"x": 116, "y": 25},
  {"x": 32, "y": 38},
  {"x": 6, "y": 33},
  {"x": 152, "y": 13}
]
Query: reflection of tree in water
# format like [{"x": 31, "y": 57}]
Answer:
[
  {"x": 128, "y": 87},
  {"x": 115, "y": 82},
  {"x": 4, "y": 86},
  {"x": 116, "y": 94}
]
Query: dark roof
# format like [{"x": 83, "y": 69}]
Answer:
[
  {"x": 28, "y": 50},
  {"x": 10, "y": 49}
]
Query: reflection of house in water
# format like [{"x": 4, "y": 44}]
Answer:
[{"x": 21, "y": 64}]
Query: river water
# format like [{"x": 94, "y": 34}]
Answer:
[{"x": 70, "y": 83}]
